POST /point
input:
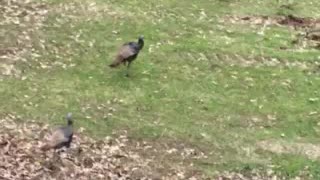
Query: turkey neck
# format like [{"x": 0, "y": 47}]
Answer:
[
  {"x": 70, "y": 123},
  {"x": 140, "y": 43}
]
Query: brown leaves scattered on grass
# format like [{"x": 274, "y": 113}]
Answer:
[
  {"x": 20, "y": 21},
  {"x": 260, "y": 61},
  {"x": 108, "y": 158},
  {"x": 88, "y": 11}
]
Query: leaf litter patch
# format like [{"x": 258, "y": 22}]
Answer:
[{"x": 109, "y": 158}]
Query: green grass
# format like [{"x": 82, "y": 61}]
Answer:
[
  {"x": 290, "y": 165},
  {"x": 173, "y": 92}
]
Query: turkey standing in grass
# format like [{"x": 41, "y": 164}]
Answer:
[
  {"x": 128, "y": 53},
  {"x": 61, "y": 137}
]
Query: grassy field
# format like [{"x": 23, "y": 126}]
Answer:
[{"x": 203, "y": 78}]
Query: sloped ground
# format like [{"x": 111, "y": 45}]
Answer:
[
  {"x": 212, "y": 75},
  {"x": 115, "y": 157},
  {"x": 108, "y": 158}
]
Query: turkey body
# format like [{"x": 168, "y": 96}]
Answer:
[
  {"x": 127, "y": 53},
  {"x": 61, "y": 137}
]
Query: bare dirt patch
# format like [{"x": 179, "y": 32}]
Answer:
[
  {"x": 295, "y": 21},
  {"x": 109, "y": 158},
  {"x": 20, "y": 22}
]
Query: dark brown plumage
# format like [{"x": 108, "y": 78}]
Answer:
[
  {"x": 61, "y": 137},
  {"x": 128, "y": 53}
]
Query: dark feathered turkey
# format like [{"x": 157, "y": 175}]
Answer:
[
  {"x": 61, "y": 137},
  {"x": 128, "y": 53}
]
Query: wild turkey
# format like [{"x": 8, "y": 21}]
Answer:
[
  {"x": 128, "y": 53},
  {"x": 61, "y": 137}
]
